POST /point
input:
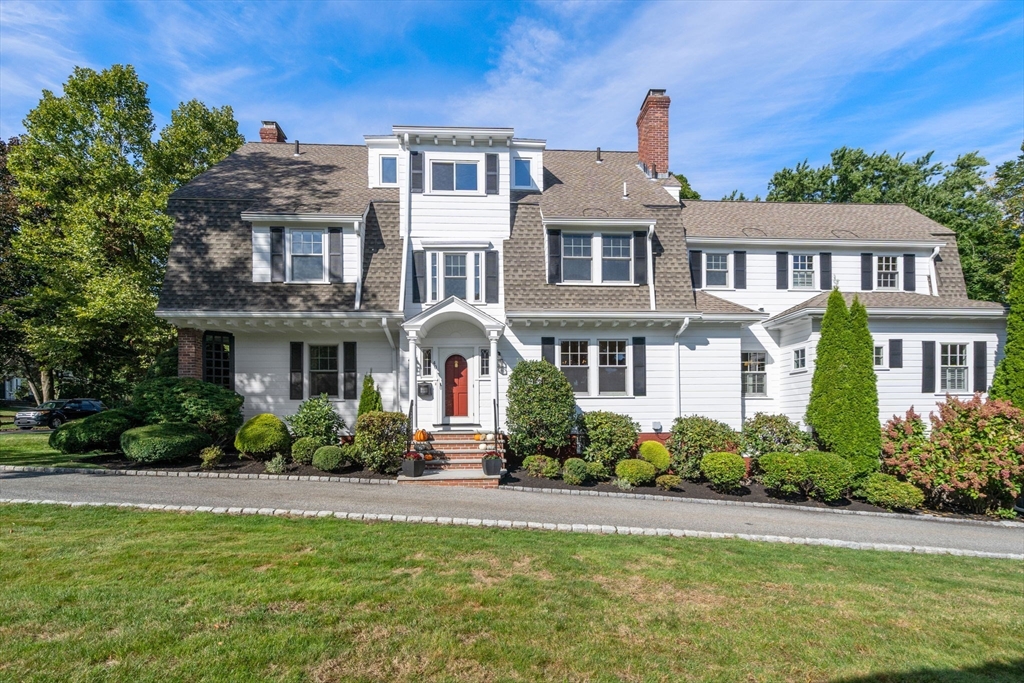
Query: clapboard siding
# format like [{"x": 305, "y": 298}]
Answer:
[{"x": 261, "y": 254}]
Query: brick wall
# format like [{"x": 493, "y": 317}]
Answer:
[
  {"x": 190, "y": 352},
  {"x": 271, "y": 132},
  {"x": 652, "y": 133}
]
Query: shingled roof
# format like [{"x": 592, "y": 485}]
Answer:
[{"x": 893, "y": 300}]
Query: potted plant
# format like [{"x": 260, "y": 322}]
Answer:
[
  {"x": 413, "y": 464},
  {"x": 492, "y": 463}
]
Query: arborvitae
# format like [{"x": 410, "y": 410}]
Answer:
[
  {"x": 369, "y": 401},
  {"x": 830, "y": 396},
  {"x": 862, "y": 433},
  {"x": 1009, "y": 380}
]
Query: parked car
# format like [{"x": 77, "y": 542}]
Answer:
[{"x": 53, "y": 414}]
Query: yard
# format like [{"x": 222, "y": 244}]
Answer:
[
  {"x": 104, "y": 594},
  {"x": 32, "y": 449}
]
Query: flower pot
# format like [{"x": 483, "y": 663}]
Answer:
[
  {"x": 492, "y": 466},
  {"x": 413, "y": 468}
]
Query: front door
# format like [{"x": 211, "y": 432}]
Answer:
[{"x": 456, "y": 387}]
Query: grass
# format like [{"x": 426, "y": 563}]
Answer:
[
  {"x": 121, "y": 595},
  {"x": 33, "y": 449}
]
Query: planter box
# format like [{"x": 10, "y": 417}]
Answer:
[
  {"x": 492, "y": 466},
  {"x": 413, "y": 468}
]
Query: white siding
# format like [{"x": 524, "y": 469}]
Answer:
[
  {"x": 350, "y": 251},
  {"x": 261, "y": 254}
]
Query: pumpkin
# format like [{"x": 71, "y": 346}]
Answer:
[
  {"x": 477, "y": 437},
  {"x": 428, "y": 456},
  {"x": 420, "y": 435}
]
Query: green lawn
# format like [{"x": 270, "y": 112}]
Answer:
[
  {"x": 32, "y": 449},
  {"x": 121, "y": 595}
]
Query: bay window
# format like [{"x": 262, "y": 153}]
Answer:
[{"x": 455, "y": 275}]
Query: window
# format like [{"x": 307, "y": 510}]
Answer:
[
  {"x": 485, "y": 362},
  {"x": 477, "y": 277},
  {"x": 753, "y": 373},
  {"x": 803, "y": 271},
  {"x": 389, "y": 170},
  {"x": 718, "y": 270},
  {"x": 879, "y": 356},
  {"x": 888, "y": 272},
  {"x": 449, "y": 176},
  {"x": 954, "y": 367},
  {"x": 611, "y": 363},
  {"x": 522, "y": 173},
  {"x": 576, "y": 257},
  {"x": 217, "y": 367},
  {"x": 799, "y": 359},
  {"x": 455, "y": 275},
  {"x": 323, "y": 370},
  {"x": 307, "y": 255},
  {"x": 427, "y": 368},
  {"x": 434, "y": 292},
  {"x": 615, "y": 258},
  {"x": 576, "y": 364}
]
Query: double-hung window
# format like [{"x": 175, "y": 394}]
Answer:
[
  {"x": 458, "y": 274},
  {"x": 575, "y": 363},
  {"x": 455, "y": 275},
  {"x": 611, "y": 367},
  {"x": 485, "y": 363},
  {"x": 799, "y": 359},
  {"x": 323, "y": 371},
  {"x": 576, "y": 258},
  {"x": 717, "y": 270},
  {"x": 427, "y": 367},
  {"x": 888, "y": 272},
  {"x": 448, "y": 176},
  {"x": 803, "y": 271},
  {"x": 616, "y": 256},
  {"x": 477, "y": 277},
  {"x": 879, "y": 356},
  {"x": 752, "y": 370},
  {"x": 954, "y": 367},
  {"x": 307, "y": 255},
  {"x": 521, "y": 173},
  {"x": 389, "y": 170}
]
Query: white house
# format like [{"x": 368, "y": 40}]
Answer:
[{"x": 439, "y": 257}]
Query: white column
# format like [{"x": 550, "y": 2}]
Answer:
[
  {"x": 494, "y": 376},
  {"x": 413, "y": 357}
]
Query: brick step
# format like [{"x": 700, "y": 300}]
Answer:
[{"x": 457, "y": 477}]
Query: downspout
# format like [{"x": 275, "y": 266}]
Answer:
[
  {"x": 679, "y": 378},
  {"x": 394, "y": 363},
  {"x": 360, "y": 230},
  {"x": 933, "y": 273}
]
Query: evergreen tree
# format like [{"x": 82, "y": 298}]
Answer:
[
  {"x": 370, "y": 400},
  {"x": 862, "y": 434},
  {"x": 686, "y": 191},
  {"x": 830, "y": 400},
  {"x": 1009, "y": 380}
]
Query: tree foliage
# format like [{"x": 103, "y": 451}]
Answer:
[
  {"x": 830, "y": 399},
  {"x": 541, "y": 408},
  {"x": 369, "y": 400},
  {"x": 863, "y": 436},
  {"x": 686, "y": 191},
  {"x": 1008, "y": 382}
]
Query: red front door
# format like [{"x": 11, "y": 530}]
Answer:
[{"x": 456, "y": 387}]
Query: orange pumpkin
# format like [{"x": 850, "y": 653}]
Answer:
[
  {"x": 420, "y": 435},
  {"x": 428, "y": 456},
  {"x": 477, "y": 437}
]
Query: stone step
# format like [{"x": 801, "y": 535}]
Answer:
[{"x": 457, "y": 477}]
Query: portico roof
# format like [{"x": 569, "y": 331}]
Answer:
[{"x": 453, "y": 308}]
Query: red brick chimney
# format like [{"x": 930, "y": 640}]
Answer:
[
  {"x": 652, "y": 134},
  {"x": 271, "y": 132}
]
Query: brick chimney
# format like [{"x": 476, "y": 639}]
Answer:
[
  {"x": 652, "y": 134},
  {"x": 271, "y": 132}
]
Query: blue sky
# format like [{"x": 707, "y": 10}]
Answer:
[{"x": 755, "y": 87}]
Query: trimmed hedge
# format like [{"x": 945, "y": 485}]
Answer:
[
  {"x": 828, "y": 476},
  {"x": 636, "y": 472},
  {"x": 575, "y": 472},
  {"x": 656, "y": 454},
  {"x": 610, "y": 437},
  {"x": 541, "y": 407},
  {"x": 725, "y": 471},
  {"x": 99, "y": 432},
  {"x": 164, "y": 441},
  {"x": 381, "y": 439},
  {"x": 885, "y": 490},
  {"x": 305, "y": 448},
  {"x": 695, "y": 436},
  {"x": 541, "y": 466},
  {"x": 667, "y": 482},
  {"x": 783, "y": 472},
  {"x": 264, "y": 436},
  {"x": 597, "y": 471},
  {"x": 214, "y": 409},
  {"x": 328, "y": 458}
]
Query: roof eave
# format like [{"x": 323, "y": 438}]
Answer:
[{"x": 876, "y": 312}]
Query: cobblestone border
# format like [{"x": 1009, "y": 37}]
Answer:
[
  {"x": 197, "y": 475},
  {"x": 509, "y": 524},
  {"x": 777, "y": 506}
]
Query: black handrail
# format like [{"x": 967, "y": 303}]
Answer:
[{"x": 409, "y": 427}]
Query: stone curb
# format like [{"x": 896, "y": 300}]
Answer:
[
  {"x": 777, "y": 506},
  {"x": 198, "y": 475},
  {"x": 545, "y": 526}
]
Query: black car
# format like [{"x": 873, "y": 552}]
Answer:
[{"x": 53, "y": 414}]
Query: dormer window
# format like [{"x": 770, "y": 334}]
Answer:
[
  {"x": 888, "y": 272},
  {"x": 389, "y": 170},
  {"x": 803, "y": 271},
  {"x": 522, "y": 177},
  {"x": 446, "y": 176},
  {"x": 307, "y": 256},
  {"x": 616, "y": 258},
  {"x": 717, "y": 268},
  {"x": 576, "y": 258}
]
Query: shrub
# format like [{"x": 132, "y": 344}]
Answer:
[
  {"x": 667, "y": 482},
  {"x": 828, "y": 475},
  {"x": 541, "y": 466},
  {"x": 369, "y": 400},
  {"x": 214, "y": 409},
  {"x": 328, "y": 458},
  {"x": 974, "y": 458},
  {"x": 623, "y": 484},
  {"x": 381, "y": 440},
  {"x": 1008, "y": 382},
  {"x": 656, "y": 454},
  {"x": 783, "y": 472},
  {"x": 350, "y": 453},
  {"x": 636, "y": 472},
  {"x": 575, "y": 472},
  {"x": 164, "y": 365},
  {"x": 275, "y": 465},
  {"x": 885, "y": 490},
  {"x": 99, "y": 432},
  {"x": 766, "y": 433},
  {"x": 317, "y": 419},
  {"x": 725, "y": 471},
  {"x": 541, "y": 407},
  {"x": 695, "y": 436},
  {"x": 609, "y": 437},
  {"x": 304, "y": 448},
  {"x": 597, "y": 471},
  {"x": 263, "y": 436},
  {"x": 211, "y": 457},
  {"x": 164, "y": 441}
]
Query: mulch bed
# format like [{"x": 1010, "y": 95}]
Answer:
[{"x": 231, "y": 463}]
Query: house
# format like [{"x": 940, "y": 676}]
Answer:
[{"x": 436, "y": 258}]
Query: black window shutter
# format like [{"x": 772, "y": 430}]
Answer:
[
  {"x": 739, "y": 263},
  {"x": 419, "y": 277},
  {"x": 909, "y": 273},
  {"x": 640, "y": 257},
  {"x": 547, "y": 349},
  {"x": 895, "y": 353},
  {"x": 492, "y": 174},
  {"x": 866, "y": 267},
  {"x": 295, "y": 374},
  {"x": 696, "y": 269},
  {"x": 825, "y": 266},
  {"x": 334, "y": 256},
  {"x": 928, "y": 367},
  {"x": 782, "y": 270},
  {"x": 639, "y": 366},
  {"x": 350, "y": 370},
  {"x": 491, "y": 277},
  {"x": 554, "y": 256},
  {"x": 980, "y": 366},
  {"x": 415, "y": 172},
  {"x": 277, "y": 254}
]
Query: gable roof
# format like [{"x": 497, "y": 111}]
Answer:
[{"x": 895, "y": 301}]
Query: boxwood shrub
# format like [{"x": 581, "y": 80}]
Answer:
[
  {"x": 636, "y": 472},
  {"x": 828, "y": 475},
  {"x": 164, "y": 441},
  {"x": 214, "y": 409},
  {"x": 575, "y": 472},
  {"x": 667, "y": 482},
  {"x": 695, "y": 436},
  {"x": 724, "y": 470},
  {"x": 885, "y": 490},
  {"x": 541, "y": 466},
  {"x": 263, "y": 437},
  {"x": 541, "y": 407},
  {"x": 597, "y": 471},
  {"x": 656, "y": 454},
  {"x": 328, "y": 458},
  {"x": 99, "y": 432},
  {"x": 783, "y": 472},
  {"x": 304, "y": 448},
  {"x": 381, "y": 439},
  {"x": 609, "y": 437}
]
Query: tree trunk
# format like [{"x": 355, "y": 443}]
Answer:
[
  {"x": 34, "y": 388},
  {"x": 46, "y": 383}
]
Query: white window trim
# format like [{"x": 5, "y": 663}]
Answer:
[
  {"x": 435, "y": 285},
  {"x": 325, "y": 249},
  {"x": 516, "y": 185},
  {"x": 596, "y": 259},
  {"x": 793, "y": 369},
  {"x": 899, "y": 273},
  {"x": 764, "y": 372},
  {"x": 814, "y": 273},
  {"x": 968, "y": 367},
  {"x": 728, "y": 270},
  {"x": 885, "y": 355},
  {"x": 593, "y": 364},
  {"x": 481, "y": 178},
  {"x": 380, "y": 170}
]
